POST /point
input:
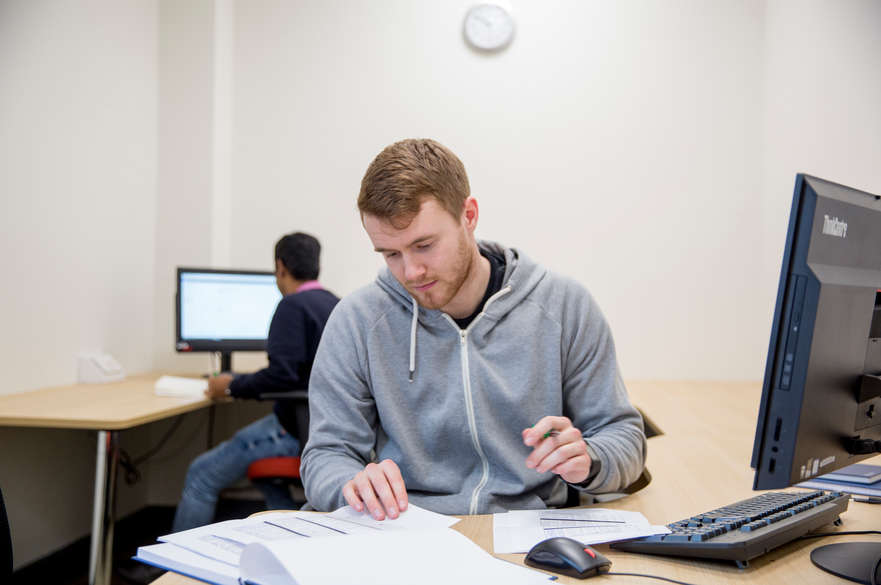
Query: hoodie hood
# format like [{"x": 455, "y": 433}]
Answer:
[{"x": 521, "y": 276}]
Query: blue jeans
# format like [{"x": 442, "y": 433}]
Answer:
[{"x": 227, "y": 463}]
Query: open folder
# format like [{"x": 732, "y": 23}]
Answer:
[{"x": 302, "y": 548}]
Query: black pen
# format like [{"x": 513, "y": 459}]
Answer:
[{"x": 867, "y": 500}]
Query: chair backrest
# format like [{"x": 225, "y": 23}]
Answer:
[
  {"x": 5, "y": 543},
  {"x": 301, "y": 410}
]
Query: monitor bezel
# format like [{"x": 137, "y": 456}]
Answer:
[{"x": 208, "y": 345}]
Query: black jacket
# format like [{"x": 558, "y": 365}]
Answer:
[{"x": 293, "y": 338}]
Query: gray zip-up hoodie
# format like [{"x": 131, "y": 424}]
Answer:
[{"x": 540, "y": 347}]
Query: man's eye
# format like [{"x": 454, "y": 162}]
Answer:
[
  {"x": 390, "y": 254},
  {"x": 423, "y": 246}
]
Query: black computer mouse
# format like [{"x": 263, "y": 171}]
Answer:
[{"x": 568, "y": 557}]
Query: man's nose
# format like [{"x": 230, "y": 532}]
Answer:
[{"x": 413, "y": 270}]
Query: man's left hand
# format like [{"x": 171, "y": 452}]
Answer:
[
  {"x": 217, "y": 386},
  {"x": 564, "y": 452}
]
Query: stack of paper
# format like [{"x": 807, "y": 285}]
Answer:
[
  {"x": 306, "y": 548},
  {"x": 518, "y": 531},
  {"x": 180, "y": 387}
]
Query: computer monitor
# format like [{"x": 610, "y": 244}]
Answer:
[
  {"x": 224, "y": 310},
  {"x": 821, "y": 398}
]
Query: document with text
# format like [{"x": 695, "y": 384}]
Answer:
[
  {"x": 518, "y": 531},
  {"x": 225, "y": 541}
]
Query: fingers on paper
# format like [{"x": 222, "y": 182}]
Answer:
[{"x": 378, "y": 487}]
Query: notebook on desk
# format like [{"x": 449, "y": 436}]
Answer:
[
  {"x": 856, "y": 473},
  {"x": 860, "y": 479}
]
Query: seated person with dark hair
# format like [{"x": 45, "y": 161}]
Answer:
[{"x": 293, "y": 339}]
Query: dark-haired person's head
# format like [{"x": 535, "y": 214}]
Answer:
[{"x": 297, "y": 256}]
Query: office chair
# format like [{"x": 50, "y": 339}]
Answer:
[
  {"x": 5, "y": 544},
  {"x": 284, "y": 470}
]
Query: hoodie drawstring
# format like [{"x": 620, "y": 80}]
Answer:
[{"x": 413, "y": 325}]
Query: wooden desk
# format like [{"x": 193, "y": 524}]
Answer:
[
  {"x": 107, "y": 408},
  {"x": 699, "y": 463}
]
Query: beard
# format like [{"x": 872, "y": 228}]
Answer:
[{"x": 450, "y": 282}]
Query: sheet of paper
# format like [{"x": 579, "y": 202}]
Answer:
[
  {"x": 180, "y": 387},
  {"x": 394, "y": 558},
  {"x": 262, "y": 528},
  {"x": 346, "y": 520},
  {"x": 225, "y": 541},
  {"x": 202, "y": 541},
  {"x": 413, "y": 518},
  {"x": 518, "y": 531},
  {"x": 320, "y": 525}
]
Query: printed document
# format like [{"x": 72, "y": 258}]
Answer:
[
  {"x": 519, "y": 530},
  {"x": 225, "y": 541}
]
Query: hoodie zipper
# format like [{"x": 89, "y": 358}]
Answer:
[{"x": 469, "y": 401}]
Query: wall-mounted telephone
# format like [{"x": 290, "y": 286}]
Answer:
[{"x": 97, "y": 367}]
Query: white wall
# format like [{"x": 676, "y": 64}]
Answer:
[
  {"x": 193, "y": 225},
  {"x": 617, "y": 142},
  {"x": 78, "y": 183},
  {"x": 184, "y": 186},
  {"x": 822, "y": 110},
  {"x": 646, "y": 148}
]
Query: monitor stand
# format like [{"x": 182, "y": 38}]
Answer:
[
  {"x": 226, "y": 361},
  {"x": 854, "y": 561}
]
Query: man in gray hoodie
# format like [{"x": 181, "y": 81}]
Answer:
[{"x": 467, "y": 378}]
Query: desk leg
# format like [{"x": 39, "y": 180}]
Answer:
[{"x": 101, "y": 554}]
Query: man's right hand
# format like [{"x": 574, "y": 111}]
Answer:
[{"x": 378, "y": 487}]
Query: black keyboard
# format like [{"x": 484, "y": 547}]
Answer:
[{"x": 746, "y": 529}]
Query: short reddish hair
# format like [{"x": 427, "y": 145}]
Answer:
[{"x": 405, "y": 173}]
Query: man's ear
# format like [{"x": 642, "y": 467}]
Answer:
[
  {"x": 280, "y": 269},
  {"x": 470, "y": 213}
]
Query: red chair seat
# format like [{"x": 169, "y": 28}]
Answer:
[{"x": 275, "y": 467}]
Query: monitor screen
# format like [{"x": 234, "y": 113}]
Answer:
[
  {"x": 224, "y": 310},
  {"x": 821, "y": 406}
]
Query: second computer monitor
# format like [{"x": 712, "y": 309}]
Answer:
[{"x": 224, "y": 310}]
